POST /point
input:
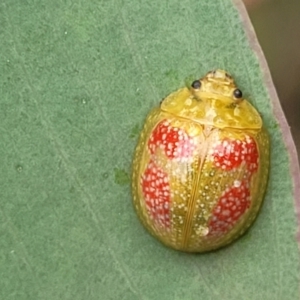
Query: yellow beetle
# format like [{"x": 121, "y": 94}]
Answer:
[{"x": 201, "y": 166}]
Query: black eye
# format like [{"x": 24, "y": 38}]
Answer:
[
  {"x": 196, "y": 84},
  {"x": 237, "y": 94}
]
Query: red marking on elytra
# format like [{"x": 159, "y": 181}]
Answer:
[
  {"x": 156, "y": 190},
  {"x": 175, "y": 142},
  {"x": 230, "y": 207},
  {"x": 229, "y": 154}
]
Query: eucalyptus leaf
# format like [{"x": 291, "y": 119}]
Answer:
[{"x": 77, "y": 81}]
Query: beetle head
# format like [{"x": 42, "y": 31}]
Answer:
[
  {"x": 217, "y": 82},
  {"x": 213, "y": 100}
]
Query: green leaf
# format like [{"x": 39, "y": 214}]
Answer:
[
  {"x": 76, "y": 79},
  {"x": 121, "y": 177}
]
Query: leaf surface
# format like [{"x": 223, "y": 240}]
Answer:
[{"x": 77, "y": 80}]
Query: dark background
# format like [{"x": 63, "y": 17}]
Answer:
[{"x": 277, "y": 25}]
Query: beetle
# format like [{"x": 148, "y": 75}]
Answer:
[{"x": 201, "y": 165}]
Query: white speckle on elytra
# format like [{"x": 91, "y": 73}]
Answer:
[
  {"x": 237, "y": 183},
  {"x": 184, "y": 159},
  {"x": 236, "y": 214},
  {"x": 226, "y": 212}
]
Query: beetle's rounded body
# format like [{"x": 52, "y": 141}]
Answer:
[{"x": 201, "y": 166}]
